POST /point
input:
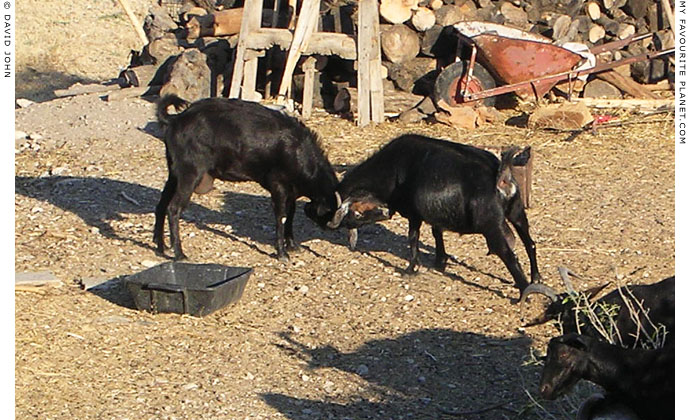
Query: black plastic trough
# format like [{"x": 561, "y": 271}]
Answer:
[{"x": 185, "y": 288}]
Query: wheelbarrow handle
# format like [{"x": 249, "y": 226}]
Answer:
[{"x": 617, "y": 45}]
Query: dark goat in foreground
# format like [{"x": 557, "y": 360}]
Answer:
[
  {"x": 447, "y": 185},
  {"x": 234, "y": 140},
  {"x": 643, "y": 380},
  {"x": 657, "y": 300}
]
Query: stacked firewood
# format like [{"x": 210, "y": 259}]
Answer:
[{"x": 190, "y": 53}]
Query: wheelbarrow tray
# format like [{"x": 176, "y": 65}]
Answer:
[
  {"x": 515, "y": 56},
  {"x": 185, "y": 288}
]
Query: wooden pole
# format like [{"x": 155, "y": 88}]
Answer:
[
  {"x": 306, "y": 22},
  {"x": 134, "y": 21}
]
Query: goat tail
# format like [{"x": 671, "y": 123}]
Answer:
[{"x": 163, "y": 104}]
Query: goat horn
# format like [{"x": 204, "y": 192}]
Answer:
[
  {"x": 339, "y": 215},
  {"x": 565, "y": 276},
  {"x": 338, "y": 200},
  {"x": 541, "y": 289}
]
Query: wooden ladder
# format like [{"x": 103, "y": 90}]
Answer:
[{"x": 255, "y": 40}]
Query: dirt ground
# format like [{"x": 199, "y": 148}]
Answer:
[{"x": 334, "y": 334}]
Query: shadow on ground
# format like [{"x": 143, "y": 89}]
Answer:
[
  {"x": 100, "y": 201},
  {"x": 426, "y": 374},
  {"x": 40, "y": 86}
]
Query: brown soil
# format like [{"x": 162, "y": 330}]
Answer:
[{"x": 334, "y": 334}]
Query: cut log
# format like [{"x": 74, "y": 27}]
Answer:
[
  {"x": 593, "y": 10},
  {"x": 636, "y": 8},
  {"x": 435, "y": 4},
  {"x": 613, "y": 4},
  {"x": 560, "y": 27},
  {"x": 397, "y": 11},
  {"x": 132, "y": 92},
  {"x": 449, "y": 14},
  {"x": 141, "y": 76},
  {"x": 609, "y": 25},
  {"x": 439, "y": 42},
  {"x": 668, "y": 14},
  {"x": 625, "y": 31},
  {"x": 220, "y": 23},
  {"x": 566, "y": 116},
  {"x": 596, "y": 33},
  {"x": 399, "y": 43},
  {"x": 411, "y": 75},
  {"x": 639, "y": 104},
  {"x": 79, "y": 89},
  {"x": 396, "y": 101},
  {"x": 423, "y": 19},
  {"x": 626, "y": 85},
  {"x": 514, "y": 15}
]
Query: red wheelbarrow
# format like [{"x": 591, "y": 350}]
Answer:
[{"x": 525, "y": 63}]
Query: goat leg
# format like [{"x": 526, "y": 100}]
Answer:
[
  {"x": 441, "y": 256},
  {"x": 279, "y": 198},
  {"x": 161, "y": 209},
  {"x": 518, "y": 218},
  {"x": 498, "y": 245},
  {"x": 413, "y": 237},
  {"x": 290, "y": 242}
]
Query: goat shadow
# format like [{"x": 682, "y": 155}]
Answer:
[
  {"x": 100, "y": 201},
  {"x": 423, "y": 375}
]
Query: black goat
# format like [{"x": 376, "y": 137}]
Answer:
[
  {"x": 447, "y": 185},
  {"x": 657, "y": 300},
  {"x": 640, "y": 379},
  {"x": 234, "y": 140}
]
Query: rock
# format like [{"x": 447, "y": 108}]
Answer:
[
  {"x": 35, "y": 136},
  {"x": 458, "y": 117},
  {"x": 427, "y": 106},
  {"x": 600, "y": 89},
  {"x": 489, "y": 115},
  {"x": 362, "y": 370},
  {"x": 566, "y": 116},
  {"x": 24, "y": 103},
  {"x": 411, "y": 116},
  {"x": 190, "y": 77},
  {"x": 20, "y": 135}
]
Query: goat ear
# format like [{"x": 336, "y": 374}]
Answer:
[
  {"x": 577, "y": 341},
  {"x": 522, "y": 158},
  {"x": 593, "y": 291}
]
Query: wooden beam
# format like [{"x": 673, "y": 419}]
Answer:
[
  {"x": 306, "y": 22},
  {"x": 134, "y": 21},
  {"x": 251, "y": 21}
]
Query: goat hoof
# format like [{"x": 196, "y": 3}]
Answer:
[
  {"x": 411, "y": 271},
  {"x": 294, "y": 247},
  {"x": 440, "y": 266},
  {"x": 181, "y": 257}
]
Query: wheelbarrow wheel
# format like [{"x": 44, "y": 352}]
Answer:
[{"x": 451, "y": 81}]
